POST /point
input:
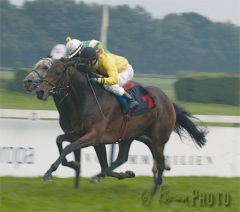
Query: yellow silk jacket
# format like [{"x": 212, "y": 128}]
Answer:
[{"x": 109, "y": 65}]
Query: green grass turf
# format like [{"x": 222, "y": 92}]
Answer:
[
  {"x": 32, "y": 194},
  {"x": 7, "y": 75},
  {"x": 16, "y": 100}
]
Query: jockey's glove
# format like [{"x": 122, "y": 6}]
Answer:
[{"x": 98, "y": 80}]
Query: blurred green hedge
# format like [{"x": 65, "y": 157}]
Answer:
[
  {"x": 209, "y": 88},
  {"x": 17, "y": 83}
]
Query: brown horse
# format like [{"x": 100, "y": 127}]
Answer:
[
  {"x": 65, "y": 108},
  {"x": 93, "y": 128}
]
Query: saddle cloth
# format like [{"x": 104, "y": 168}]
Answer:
[{"x": 140, "y": 94}]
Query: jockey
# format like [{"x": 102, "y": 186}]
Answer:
[
  {"x": 58, "y": 51},
  {"x": 75, "y": 46},
  {"x": 114, "y": 71},
  {"x": 117, "y": 68}
]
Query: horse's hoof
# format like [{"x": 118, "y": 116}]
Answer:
[
  {"x": 76, "y": 186},
  {"x": 95, "y": 179},
  {"x": 122, "y": 175},
  {"x": 47, "y": 177},
  {"x": 130, "y": 174},
  {"x": 154, "y": 190}
]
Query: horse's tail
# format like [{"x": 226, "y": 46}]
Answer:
[{"x": 184, "y": 123}]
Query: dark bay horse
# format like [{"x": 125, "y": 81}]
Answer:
[
  {"x": 31, "y": 82},
  {"x": 92, "y": 128},
  {"x": 65, "y": 108}
]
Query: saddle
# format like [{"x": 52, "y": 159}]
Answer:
[{"x": 140, "y": 94}]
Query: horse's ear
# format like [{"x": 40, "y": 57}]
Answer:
[
  {"x": 70, "y": 63},
  {"x": 70, "y": 70}
]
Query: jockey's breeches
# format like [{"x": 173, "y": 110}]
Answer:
[
  {"x": 123, "y": 78},
  {"x": 126, "y": 75}
]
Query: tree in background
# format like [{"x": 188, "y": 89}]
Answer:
[{"x": 163, "y": 46}]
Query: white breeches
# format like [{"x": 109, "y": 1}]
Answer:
[
  {"x": 123, "y": 78},
  {"x": 126, "y": 75}
]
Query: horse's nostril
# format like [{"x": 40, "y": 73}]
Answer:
[
  {"x": 27, "y": 81},
  {"x": 40, "y": 94}
]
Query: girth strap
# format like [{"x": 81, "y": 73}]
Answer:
[{"x": 124, "y": 127}]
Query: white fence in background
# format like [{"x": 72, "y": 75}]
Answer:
[
  {"x": 28, "y": 148},
  {"x": 51, "y": 114}
]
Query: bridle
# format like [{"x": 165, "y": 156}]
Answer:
[
  {"x": 59, "y": 85},
  {"x": 62, "y": 83},
  {"x": 35, "y": 71},
  {"x": 41, "y": 78}
]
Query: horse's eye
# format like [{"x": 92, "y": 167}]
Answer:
[
  {"x": 58, "y": 73},
  {"x": 46, "y": 67}
]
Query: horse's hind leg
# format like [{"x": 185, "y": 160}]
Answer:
[
  {"x": 159, "y": 168},
  {"x": 148, "y": 142},
  {"x": 160, "y": 136}
]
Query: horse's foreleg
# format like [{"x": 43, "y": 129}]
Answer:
[
  {"x": 72, "y": 164},
  {"x": 84, "y": 141},
  {"x": 60, "y": 139}
]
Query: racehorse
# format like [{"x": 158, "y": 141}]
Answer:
[
  {"x": 91, "y": 128},
  {"x": 65, "y": 108}
]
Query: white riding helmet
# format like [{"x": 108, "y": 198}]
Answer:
[
  {"x": 73, "y": 47},
  {"x": 58, "y": 51}
]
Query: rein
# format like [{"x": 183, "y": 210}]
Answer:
[
  {"x": 50, "y": 83},
  {"x": 62, "y": 99},
  {"x": 99, "y": 106}
]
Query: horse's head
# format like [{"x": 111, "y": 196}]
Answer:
[
  {"x": 35, "y": 77},
  {"x": 57, "y": 77}
]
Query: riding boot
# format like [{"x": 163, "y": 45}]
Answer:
[{"x": 132, "y": 102}]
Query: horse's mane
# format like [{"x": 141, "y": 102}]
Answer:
[
  {"x": 77, "y": 64},
  {"x": 65, "y": 59},
  {"x": 46, "y": 61}
]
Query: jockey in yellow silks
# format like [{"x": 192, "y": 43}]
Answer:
[{"x": 114, "y": 71}]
